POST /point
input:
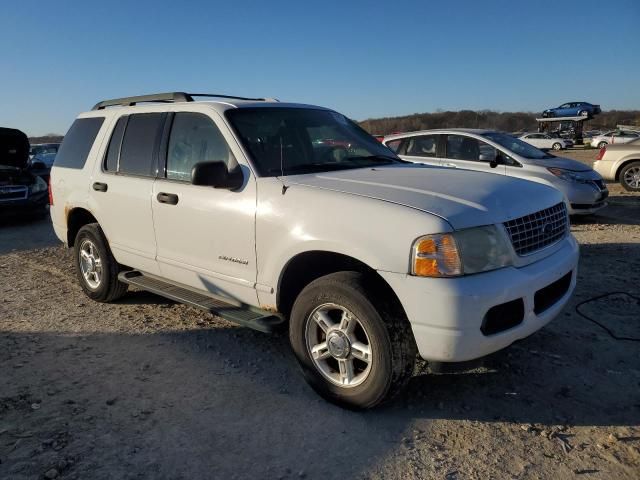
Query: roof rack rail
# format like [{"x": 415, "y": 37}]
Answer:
[{"x": 169, "y": 97}]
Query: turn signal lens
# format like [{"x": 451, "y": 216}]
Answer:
[{"x": 436, "y": 256}]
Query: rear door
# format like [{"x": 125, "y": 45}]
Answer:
[
  {"x": 121, "y": 189},
  {"x": 470, "y": 153},
  {"x": 420, "y": 149}
]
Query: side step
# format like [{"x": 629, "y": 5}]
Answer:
[{"x": 239, "y": 313}]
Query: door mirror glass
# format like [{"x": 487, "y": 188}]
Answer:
[{"x": 216, "y": 174}]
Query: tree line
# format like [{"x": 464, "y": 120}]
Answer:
[{"x": 503, "y": 121}]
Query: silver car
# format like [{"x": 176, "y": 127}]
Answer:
[{"x": 500, "y": 153}]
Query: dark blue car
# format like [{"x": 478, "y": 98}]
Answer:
[{"x": 573, "y": 109}]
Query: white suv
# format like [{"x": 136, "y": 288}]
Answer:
[{"x": 261, "y": 212}]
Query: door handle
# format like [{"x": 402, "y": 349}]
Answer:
[
  {"x": 168, "y": 198},
  {"x": 100, "y": 187},
  {"x": 450, "y": 165}
]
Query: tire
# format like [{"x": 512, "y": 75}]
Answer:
[
  {"x": 557, "y": 146},
  {"x": 583, "y": 113},
  {"x": 602, "y": 144},
  {"x": 96, "y": 268},
  {"x": 630, "y": 177},
  {"x": 376, "y": 324}
]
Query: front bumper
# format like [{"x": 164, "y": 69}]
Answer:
[
  {"x": 447, "y": 315},
  {"x": 583, "y": 198}
]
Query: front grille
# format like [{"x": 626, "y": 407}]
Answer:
[
  {"x": 13, "y": 192},
  {"x": 538, "y": 230}
]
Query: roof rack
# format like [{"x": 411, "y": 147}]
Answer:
[{"x": 169, "y": 97}]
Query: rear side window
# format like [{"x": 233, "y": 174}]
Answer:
[
  {"x": 422, "y": 146},
  {"x": 394, "y": 145},
  {"x": 113, "y": 150},
  {"x": 77, "y": 142},
  {"x": 137, "y": 154}
]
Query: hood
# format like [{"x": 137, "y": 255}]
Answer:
[
  {"x": 561, "y": 162},
  {"x": 14, "y": 148},
  {"x": 462, "y": 197}
]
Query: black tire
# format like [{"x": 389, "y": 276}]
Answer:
[
  {"x": 109, "y": 287},
  {"x": 602, "y": 144},
  {"x": 625, "y": 170},
  {"x": 393, "y": 349},
  {"x": 557, "y": 146},
  {"x": 583, "y": 113}
]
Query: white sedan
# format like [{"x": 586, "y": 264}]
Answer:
[
  {"x": 613, "y": 138},
  {"x": 544, "y": 141}
]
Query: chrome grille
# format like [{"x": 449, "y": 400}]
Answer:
[
  {"x": 13, "y": 192},
  {"x": 538, "y": 230}
]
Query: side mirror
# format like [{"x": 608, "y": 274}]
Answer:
[
  {"x": 216, "y": 175},
  {"x": 493, "y": 159}
]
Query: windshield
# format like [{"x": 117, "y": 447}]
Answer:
[
  {"x": 291, "y": 141},
  {"x": 517, "y": 146}
]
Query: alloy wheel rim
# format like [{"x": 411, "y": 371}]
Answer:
[
  {"x": 90, "y": 264},
  {"x": 338, "y": 345},
  {"x": 632, "y": 177}
]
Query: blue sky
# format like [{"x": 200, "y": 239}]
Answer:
[{"x": 363, "y": 58}]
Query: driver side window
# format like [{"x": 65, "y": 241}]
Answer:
[{"x": 195, "y": 138}]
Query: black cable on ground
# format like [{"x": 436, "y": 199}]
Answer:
[{"x": 593, "y": 299}]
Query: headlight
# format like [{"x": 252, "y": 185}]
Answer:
[
  {"x": 39, "y": 186},
  {"x": 568, "y": 175},
  {"x": 463, "y": 252}
]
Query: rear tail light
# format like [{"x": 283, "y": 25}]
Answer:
[
  {"x": 50, "y": 192},
  {"x": 601, "y": 153}
]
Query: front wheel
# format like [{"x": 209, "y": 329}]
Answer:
[
  {"x": 602, "y": 144},
  {"x": 96, "y": 267},
  {"x": 353, "y": 343},
  {"x": 630, "y": 177},
  {"x": 557, "y": 146}
]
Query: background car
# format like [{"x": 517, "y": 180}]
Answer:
[
  {"x": 573, "y": 109},
  {"x": 20, "y": 189},
  {"x": 563, "y": 136},
  {"x": 544, "y": 141},
  {"x": 43, "y": 148},
  {"x": 614, "y": 137},
  {"x": 500, "y": 153},
  {"x": 620, "y": 162}
]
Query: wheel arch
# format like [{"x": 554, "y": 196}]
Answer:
[
  {"x": 308, "y": 266},
  {"x": 76, "y": 219},
  {"x": 623, "y": 164}
]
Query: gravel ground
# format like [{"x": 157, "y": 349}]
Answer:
[{"x": 145, "y": 388}]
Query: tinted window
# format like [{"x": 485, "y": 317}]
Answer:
[
  {"x": 422, "y": 146},
  {"x": 77, "y": 142},
  {"x": 138, "y": 144},
  {"x": 195, "y": 138},
  {"x": 460, "y": 147},
  {"x": 113, "y": 150}
]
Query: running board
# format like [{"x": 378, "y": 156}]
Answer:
[{"x": 239, "y": 313}]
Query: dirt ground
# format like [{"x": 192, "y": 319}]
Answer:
[{"x": 145, "y": 388}]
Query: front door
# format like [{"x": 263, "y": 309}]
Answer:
[
  {"x": 470, "y": 153},
  {"x": 205, "y": 236}
]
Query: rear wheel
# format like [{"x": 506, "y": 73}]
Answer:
[
  {"x": 557, "y": 146},
  {"x": 630, "y": 177},
  {"x": 583, "y": 113},
  {"x": 96, "y": 268},
  {"x": 355, "y": 346}
]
